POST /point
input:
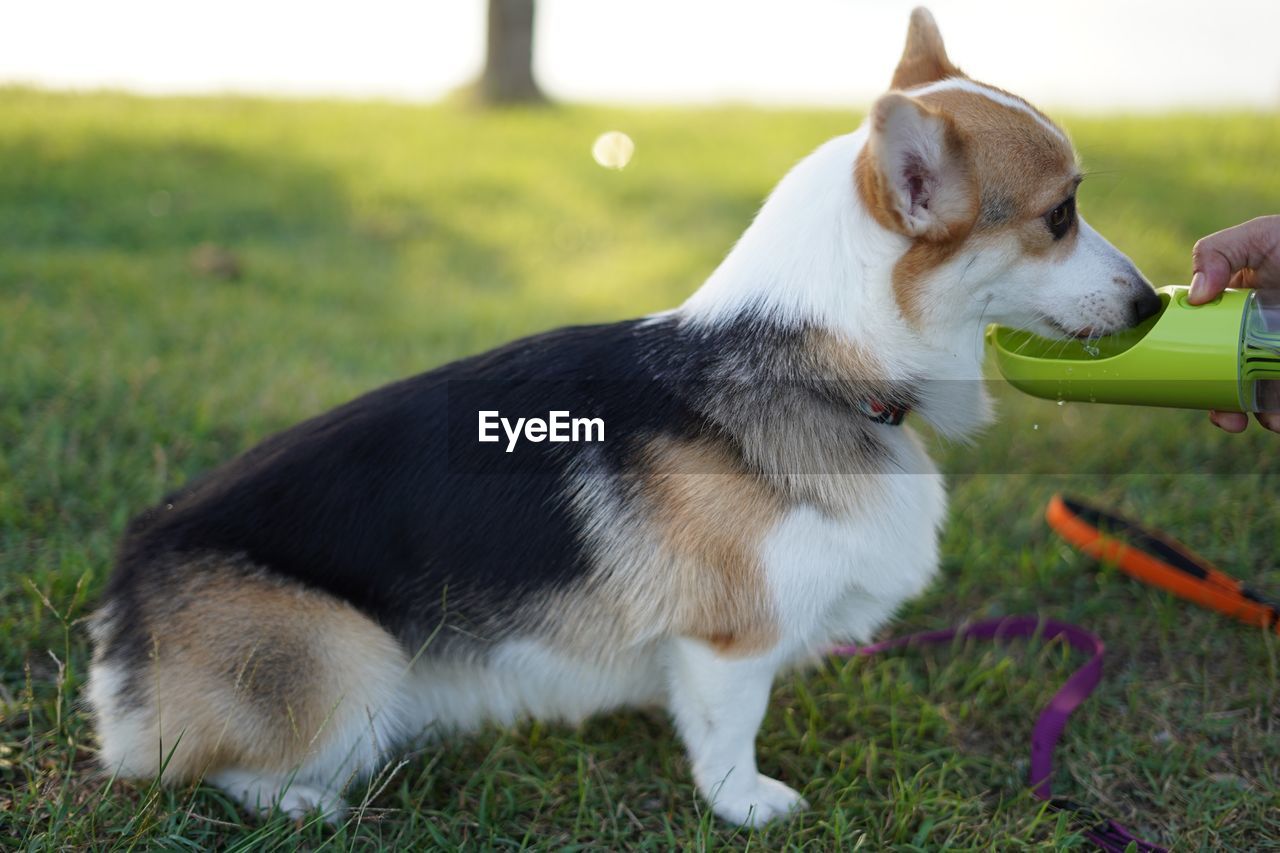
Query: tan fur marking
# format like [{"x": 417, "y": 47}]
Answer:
[
  {"x": 1030, "y": 106},
  {"x": 1019, "y": 161},
  {"x": 674, "y": 553},
  {"x": 1016, "y": 158},
  {"x": 924, "y": 58},
  {"x": 839, "y": 360},
  {"x": 874, "y": 190},
  {"x": 912, "y": 270},
  {"x": 250, "y": 672},
  {"x": 711, "y": 516}
]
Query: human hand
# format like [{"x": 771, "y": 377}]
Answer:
[{"x": 1247, "y": 255}]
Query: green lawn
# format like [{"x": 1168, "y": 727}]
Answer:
[{"x": 379, "y": 240}]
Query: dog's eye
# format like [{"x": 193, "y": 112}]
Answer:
[{"x": 1061, "y": 218}]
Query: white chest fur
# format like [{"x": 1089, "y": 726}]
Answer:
[{"x": 839, "y": 577}]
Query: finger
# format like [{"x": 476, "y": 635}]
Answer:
[
  {"x": 1212, "y": 273},
  {"x": 1215, "y": 259},
  {"x": 1229, "y": 421},
  {"x": 1242, "y": 278},
  {"x": 1270, "y": 420},
  {"x": 1252, "y": 246}
]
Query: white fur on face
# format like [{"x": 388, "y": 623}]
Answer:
[{"x": 1090, "y": 290}]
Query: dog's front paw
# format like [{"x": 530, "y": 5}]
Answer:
[
  {"x": 301, "y": 801},
  {"x": 756, "y": 805},
  {"x": 262, "y": 793}
]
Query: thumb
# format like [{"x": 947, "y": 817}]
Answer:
[{"x": 1212, "y": 263}]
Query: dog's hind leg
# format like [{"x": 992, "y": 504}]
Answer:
[{"x": 276, "y": 693}]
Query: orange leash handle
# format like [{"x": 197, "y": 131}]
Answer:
[{"x": 1163, "y": 562}]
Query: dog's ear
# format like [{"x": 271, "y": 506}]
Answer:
[
  {"x": 914, "y": 173},
  {"x": 924, "y": 59}
]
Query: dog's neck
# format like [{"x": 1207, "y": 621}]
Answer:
[{"x": 815, "y": 258}]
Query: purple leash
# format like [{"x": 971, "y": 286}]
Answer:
[{"x": 1106, "y": 833}]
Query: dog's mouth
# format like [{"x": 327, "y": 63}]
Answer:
[{"x": 1080, "y": 332}]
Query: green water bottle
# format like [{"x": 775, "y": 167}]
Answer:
[{"x": 1222, "y": 355}]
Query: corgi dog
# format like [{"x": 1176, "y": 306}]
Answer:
[{"x": 410, "y": 564}]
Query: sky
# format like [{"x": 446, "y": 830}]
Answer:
[{"x": 1097, "y": 55}]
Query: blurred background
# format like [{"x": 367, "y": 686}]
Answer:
[
  {"x": 1089, "y": 54},
  {"x": 219, "y": 219}
]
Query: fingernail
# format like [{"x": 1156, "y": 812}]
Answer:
[{"x": 1198, "y": 287}]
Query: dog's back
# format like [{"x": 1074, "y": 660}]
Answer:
[{"x": 283, "y": 621}]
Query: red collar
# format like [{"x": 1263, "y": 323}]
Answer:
[{"x": 881, "y": 412}]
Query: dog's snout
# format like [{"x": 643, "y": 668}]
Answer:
[{"x": 1146, "y": 304}]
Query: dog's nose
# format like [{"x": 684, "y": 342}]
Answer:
[{"x": 1146, "y": 304}]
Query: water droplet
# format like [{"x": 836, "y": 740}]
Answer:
[
  {"x": 1035, "y": 426},
  {"x": 1062, "y": 402},
  {"x": 1092, "y": 350},
  {"x": 613, "y": 149}
]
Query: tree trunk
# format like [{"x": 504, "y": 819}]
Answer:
[{"x": 508, "y": 69}]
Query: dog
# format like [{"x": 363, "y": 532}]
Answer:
[{"x": 397, "y": 567}]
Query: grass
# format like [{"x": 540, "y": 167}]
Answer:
[{"x": 379, "y": 240}]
